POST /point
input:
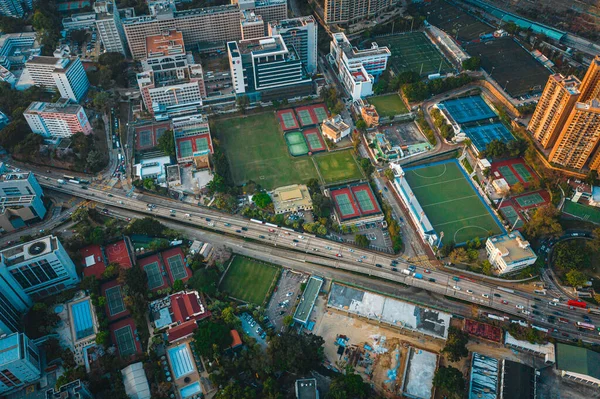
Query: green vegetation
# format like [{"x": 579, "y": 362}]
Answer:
[
  {"x": 581, "y": 211},
  {"x": 424, "y": 126},
  {"x": 338, "y": 166},
  {"x": 472, "y": 64},
  {"x": 544, "y": 222},
  {"x": 420, "y": 91},
  {"x": 527, "y": 334},
  {"x": 348, "y": 384},
  {"x": 450, "y": 382},
  {"x": 296, "y": 353},
  {"x": 467, "y": 165},
  {"x": 388, "y": 105},
  {"x": 249, "y": 280},
  {"x": 444, "y": 127},
  {"x": 262, "y": 200},
  {"x": 166, "y": 143},
  {"x": 361, "y": 240},
  {"x": 211, "y": 338},
  {"x": 456, "y": 345},
  {"x": 256, "y": 151}
]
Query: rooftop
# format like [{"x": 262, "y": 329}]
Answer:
[
  {"x": 262, "y": 45},
  {"x": 29, "y": 250},
  {"x": 306, "y": 389},
  {"x": 578, "y": 360},
  {"x": 512, "y": 247},
  {"x": 44, "y": 60},
  {"x": 167, "y": 43},
  {"x": 307, "y": 301},
  {"x": 293, "y": 22},
  {"x": 352, "y": 52},
  {"x": 484, "y": 377},
  {"x": 9, "y": 349},
  {"x": 60, "y": 107},
  {"x": 187, "y": 305},
  {"x": 14, "y": 176},
  {"x": 336, "y": 123},
  {"x": 296, "y": 193}
]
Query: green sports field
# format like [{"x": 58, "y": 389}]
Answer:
[
  {"x": 451, "y": 203},
  {"x": 249, "y": 280},
  {"x": 256, "y": 150},
  {"x": 338, "y": 166},
  {"x": 414, "y": 52},
  {"x": 585, "y": 212},
  {"x": 388, "y": 105}
]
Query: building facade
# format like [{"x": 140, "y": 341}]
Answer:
[
  {"x": 335, "y": 129},
  {"x": 110, "y": 28},
  {"x": 17, "y": 48},
  {"x": 509, "y": 253},
  {"x": 349, "y": 11},
  {"x": 57, "y": 120},
  {"x": 590, "y": 85},
  {"x": 301, "y": 34},
  {"x": 252, "y": 25},
  {"x": 21, "y": 201},
  {"x": 79, "y": 21},
  {"x": 19, "y": 362},
  {"x": 12, "y": 8},
  {"x": 63, "y": 74}
]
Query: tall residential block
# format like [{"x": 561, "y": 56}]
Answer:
[
  {"x": 20, "y": 363},
  {"x": 204, "y": 25},
  {"x": 555, "y": 104},
  {"x": 63, "y": 74},
  {"x": 349, "y": 11},
  {"x": 12, "y": 8},
  {"x": 110, "y": 28},
  {"x": 590, "y": 85},
  {"x": 21, "y": 201},
  {"x": 252, "y": 25},
  {"x": 57, "y": 120},
  {"x": 301, "y": 34},
  {"x": 269, "y": 10}
]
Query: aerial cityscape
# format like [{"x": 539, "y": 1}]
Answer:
[{"x": 299, "y": 199}]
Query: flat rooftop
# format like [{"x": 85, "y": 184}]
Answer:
[
  {"x": 9, "y": 349},
  {"x": 29, "y": 250},
  {"x": 262, "y": 45},
  {"x": 484, "y": 377},
  {"x": 168, "y": 43},
  {"x": 308, "y": 299},
  {"x": 293, "y": 22},
  {"x": 58, "y": 107},
  {"x": 513, "y": 246},
  {"x": 306, "y": 389},
  {"x": 14, "y": 176}
]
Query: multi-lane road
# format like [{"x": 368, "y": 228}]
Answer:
[{"x": 326, "y": 253}]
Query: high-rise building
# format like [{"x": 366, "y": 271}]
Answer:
[
  {"x": 172, "y": 83},
  {"x": 64, "y": 74},
  {"x": 12, "y": 8},
  {"x": 269, "y": 10},
  {"x": 21, "y": 201},
  {"x": 266, "y": 69},
  {"x": 252, "y": 25},
  {"x": 110, "y": 27},
  {"x": 17, "y": 48},
  {"x": 554, "y": 107},
  {"x": 19, "y": 362},
  {"x": 300, "y": 33},
  {"x": 57, "y": 120},
  {"x": 349, "y": 11},
  {"x": 590, "y": 85},
  {"x": 204, "y": 25}
]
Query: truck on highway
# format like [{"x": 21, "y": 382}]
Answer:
[
  {"x": 74, "y": 181},
  {"x": 418, "y": 275},
  {"x": 60, "y": 181},
  {"x": 406, "y": 271},
  {"x": 577, "y": 304}
]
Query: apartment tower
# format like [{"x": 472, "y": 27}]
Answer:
[
  {"x": 349, "y": 11},
  {"x": 590, "y": 85}
]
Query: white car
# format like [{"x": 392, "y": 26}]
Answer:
[
  {"x": 485, "y": 295},
  {"x": 519, "y": 306},
  {"x": 456, "y": 287},
  {"x": 552, "y": 303},
  {"x": 469, "y": 291}
]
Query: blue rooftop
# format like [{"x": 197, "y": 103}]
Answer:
[
  {"x": 82, "y": 319},
  {"x": 9, "y": 349}
]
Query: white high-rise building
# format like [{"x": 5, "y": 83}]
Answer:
[
  {"x": 64, "y": 74},
  {"x": 110, "y": 28},
  {"x": 19, "y": 362},
  {"x": 301, "y": 34}
]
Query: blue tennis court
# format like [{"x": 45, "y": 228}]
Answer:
[
  {"x": 176, "y": 265},
  {"x": 481, "y": 136},
  {"x": 181, "y": 361},
  {"x": 154, "y": 275},
  {"x": 82, "y": 319},
  {"x": 468, "y": 109},
  {"x": 125, "y": 341},
  {"x": 114, "y": 300}
]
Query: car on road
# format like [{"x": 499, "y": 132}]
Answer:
[
  {"x": 238, "y": 231},
  {"x": 497, "y": 295},
  {"x": 394, "y": 269},
  {"x": 534, "y": 306},
  {"x": 261, "y": 236},
  {"x": 432, "y": 280},
  {"x": 469, "y": 291},
  {"x": 243, "y": 228},
  {"x": 385, "y": 188},
  {"x": 412, "y": 268},
  {"x": 518, "y": 306},
  {"x": 294, "y": 240},
  {"x": 427, "y": 271},
  {"x": 587, "y": 319},
  {"x": 338, "y": 255},
  {"x": 552, "y": 303},
  {"x": 456, "y": 287},
  {"x": 505, "y": 302},
  {"x": 378, "y": 265},
  {"x": 485, "y": 295}
]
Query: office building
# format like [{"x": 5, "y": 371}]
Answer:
[
  {"x": 211, "y": 25},
  {"x": 349, "y": 11},
  {"x": 19, "y": 362},
  {"x": 269, "y": 10},
  {"x": 110, "y": 28},
  {"x": 252, "y": 25},
  {"x": 13, "y": 8},
  {"x": 171, "y": 84},
  {"x": 554, "y": 106},
  {"x": 590, "y": 85},
  {"x": 63, "y": 74},
  {"x": 266, "y": 69},
  {"x": 21, "y": 201},
  {"x": 357, "y": 69},
  {"x": 300, "y": 33},
  {"x": 57, "y": 120},
  {"x": 17, "y": 48},
  {"x": 509, "y": 253},
  {"x": 294, "y": 198},
  {"x": 79, "y": 21}
]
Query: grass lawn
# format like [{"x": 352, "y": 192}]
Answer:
[
  {"x": 256, "y": 150},
  {"x": 581, "y": 211},
  {"x": 338, "y": 166},
  {"x": 249, "y": 280},
  {"x": 388, "y": 105}
]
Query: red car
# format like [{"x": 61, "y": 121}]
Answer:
[
  {"x": 427, "y": 271},
  {"x": 504, "y": 301}
]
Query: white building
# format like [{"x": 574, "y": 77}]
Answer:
[
  {"x": 19, "y": 362},
  {"x": 153, "y": 168},
  {"x": 335, "y": 129},
  {"x": 301, "y": 34},
  {"x": 63, "y": 74},
  {"x": 57, "y": 120},
  {"x": 110, "y": 28},
  {"x": 21, "y": 201},
  {"x": 82, "y": 21},
  {"x": 135, "y": 381},
  {"x": 357, "y": 69},
  {"x": 509, "y": 252}
]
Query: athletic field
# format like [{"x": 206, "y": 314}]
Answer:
[
  {"x": 256, "y": 150},
  {"x": 414, "y": 52},
  {"x": 338, "y": 166},
  {"x": 451, "y": 203},
  {"x": 249, "y": 280},
  {"x": 388, "y": 105},
  {"x": 580, "y": 211}
]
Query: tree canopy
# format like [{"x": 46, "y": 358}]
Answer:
[
  {"x": 472, "y": 64},
  {"x": 211, "y": 337},
  {"x": 348, "y": 385},
  {"x": 544, "y": 221},
  {"x": 449, "y": 381},
  {"x": 166, "y": 143},
  {"x": 262, "y": 200},
  {"x": 456, "y": 345},
  {"x": 296, "y": 353}
]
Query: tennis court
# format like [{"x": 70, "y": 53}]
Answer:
[
  {"x": 154, "y": 275},
  {"x": 125, "y": 341},
  {"x": 529, "y": 200},
  {"x": 468, "y": 109},
  {"x": 482, "y": 135},
  {"x": 287, "y": 119},
  {"x": 508, "y": 175},
  {"x": 320, "y": 111},
  {"x": 345, "y": 205},
  {"x": 314, "y": 140},
  {"x": 296, "y": 144},
  {"x": 114, "y": 300},
  {"x": 523, "y": 172},
  {"x": 511, "y": 215},
  {"x": 413, "y": 51},
  {"x": 364, "y": 201},
  {"x": 118, "y": 253},
  {"x": 451, "y": 203},
  {"x": 176, "y": 267},
  {"x": 581, "y": 211},
  {"x": 145, "y": 137},
  {"x": 305, "y": 117}
]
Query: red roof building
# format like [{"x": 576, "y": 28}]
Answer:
[
  {"x": 181, "y": 331},
  {"x": 188, "y": 305},
  {"x": 93, "y": 261},
  {"x": 236, "y": 339}
]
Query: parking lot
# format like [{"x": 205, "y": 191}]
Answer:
[
  {"x": 378, "y": 237},
  {"x": 253, "y": 329},
  {"x": 284, "y": 297}
]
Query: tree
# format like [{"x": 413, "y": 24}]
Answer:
[
  {"x": 166, "y": 143},
  {"x": 262, "y": 200},
  {"x": 575, "y": 278},
  {"x": 11, "y": 24},
  {"x": 517, "y": 188},
  {"x": 459, "y": 255},
  {"x": 80, "y": 36},
  {"x": 456, "y": 344},
  {"x": 211, "y": 337},
  {"x": 594, "y": 243},
  {"x": 496, "y": 149},
  {"x": 472, "y": 64},
  {"x": 111, "y": 271},
  {"x": 205, "y": 280},
  {"x": 544, "y": 221},
  {"x": 103, "y": 101},
  {"x": 288, "y": 320},
  {"x": 178, "y": 286},
  {"x": 242, "y": 103},
  {"x": 229, "y": 317},
  {"x": 295, "y": 353},
  {"x": 348, "y": 385},
  {"x": 486, "y": 268},
  {"x": 449, "y": 381},
  {"x": 147, "y": 226},
  {"x": 389, "y": 174},
  {"x": 102, "y": 337},
  {"x": 361, "y": 125},
  {"x": 361, "y": 240},
  {"x": 234, "y": 390},
  {"x": 571, "y": 255},
  {"x": 226, "y": 202},
  {"x": 592, "y": 178}
]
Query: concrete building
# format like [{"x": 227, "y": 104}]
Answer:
[
  {"x": 369, "y": 114},
  {"x": 135, "y": 381},
  {"x": 72, "y": 390},
  {"x": 21, "y": 201},
  {"x": 110, "y": 28},
  {"x": 154, "y": 168},
  {"x": 79, "y": 21},
  {"x": 357, "y": 69},
  {"x": 252, "y": 25},
  {"x": 555, "y": 104},
  {"x": 292, "y": 198},
  {"x": 17, "y": 48},
  {"x": 19, "y": 362},
  {"x": 269, "y": 10},
  {"x": 36, "y": 269},
  {"x": 483, "y": 382},
  {"x": 349, "y": 11},
  {"x": 590, "y": 85},
  {"x": 266, "y": 69},
  {"x": 546, "y": 351},
  {"x": 57, "y": 120},
  {"x": 300, "y": 33},
  {"x": 172, "y": 83},
  {"x": 335, "y": 129},
  {"x": 63, "y": 74},
  {"x": 13, "y": 8},
  {"x": 215, "y": 25},
  {"x": 509, "y": 253},
  {"x": 306, "y": 389},
  {"x": 578, "y": 364}
]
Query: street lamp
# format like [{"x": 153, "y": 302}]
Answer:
[
  {"x": 492, "y": 71},
  {"x": 505, "y": 85}
]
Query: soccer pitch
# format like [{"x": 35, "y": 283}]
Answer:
[
  {"x": 256, "y": 150},
  {"x": 249, "y": 280},
  {"x": 414, "y": 52},
  {"x": 338, "y": 166},
  {"x": 451, "y": 203},
  {"x": 388, "y": 105}
]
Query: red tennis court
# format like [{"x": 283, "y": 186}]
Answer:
[
  {"x": 306, "y": 116},
  {"x": 118, "y": 253},
  {"x": 320, "y": 112},
  {"x": 123, "y": 335},
  {"x": 287, "y": 119},
  {"x": 344, "y": 203},
  {"x": 365, "y": 199},
  {"x": 115, "y": 305},
  {"x": 514, "y": 171},
  {"x": 174, "y": 260},
  {"x": 146, "y": 136},
  {"x": 153, "y": 268},
  {"x": 314, "y": 139}
]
